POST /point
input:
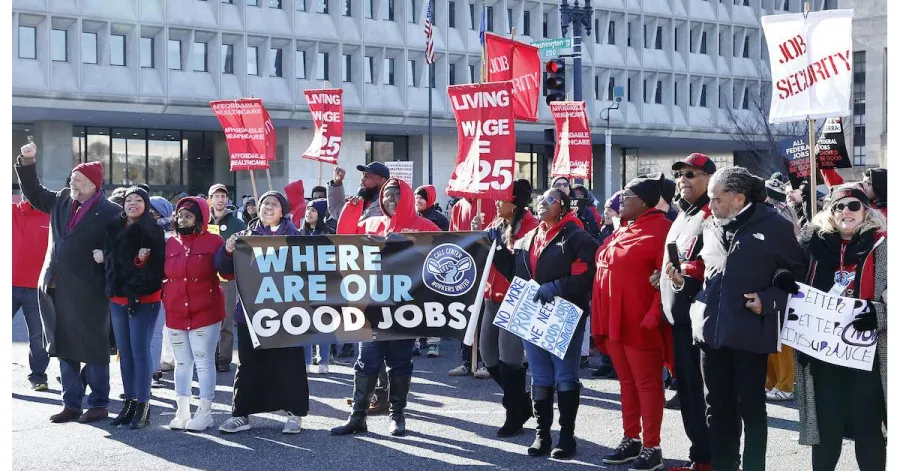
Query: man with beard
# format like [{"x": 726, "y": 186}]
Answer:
[
  {"x": 736, "y": 318},
  {"x": 362, "y": 206}
]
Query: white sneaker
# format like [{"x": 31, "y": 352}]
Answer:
[
  {"x": 308, "y": 369},
  {"x": 235, "y": 424},
  {"x": 482, "y": 373},
  {"x": 461, "y": 370},
  {"x": 203, "y": 417},
  {"x": 322, "y": 369},
  {"x": 292, "y": 425},
  {"x": 182, "y": 413},
  {"x": 778, "y": 395}
]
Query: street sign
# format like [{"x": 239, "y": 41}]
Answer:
[{"x": 550, "y": 48}]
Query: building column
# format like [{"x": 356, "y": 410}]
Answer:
[{"x": 54, "y": 159}]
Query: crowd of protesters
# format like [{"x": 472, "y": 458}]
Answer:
[{"x": 153, "y": 282}]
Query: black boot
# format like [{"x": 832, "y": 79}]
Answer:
[
  {"x": 141, "y": 417},
  {"x": 543, "y": 412},
  {"x": 399, "y": 390},
  {"x": 363, "y": 387},
  {"x": 496, "y": 374},
  {"x": 568, "y": 402},
  {"x": 513, "y": 397},
  {"x": 126, "y": 414}
]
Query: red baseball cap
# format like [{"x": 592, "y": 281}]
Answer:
[{"x": 697, "y": 160}]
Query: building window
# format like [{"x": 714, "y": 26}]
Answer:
[
  {"x": 252, "y": 3},
  {"x": 859, "y": 136},
  {"x": 703, "y": 96},
  {"x": 174, "y": 54},
  {"x": 472, "y": 16},
  {"x": 703, "y": 42},
  {"x": 411, "y": 11},
  {"x": 471, "y": 74},
  {"x": 658, "y": 41},
  {"x": 410, "y": 73},
  {"x": 786, "y": 6},
  {"x": 300, "y": 5},
  {"x": 347, "y": 72},
  {"x": 490, "y": 19},
  {"x": 596, "y": 87},
  {"x": 89, "y": 48},
  {"x": 611, "y": 34},
  {"x": 322, "y": 6},
  {"x": 276, "y": 60},
  {"x": 628, "y": 38},
  {"x": 389, "y": 71},
  {"x": 348, "y": 7},
  {"x": 645, "y": 44},
  {"x": 675, "y": 94},
  {"x": 745, "y": 104},
  {"x": 199, "y": 57},
  {"x": 746, "y": 51},
  {"x": 28, "y": 42},
  {"x": 452, "y": 74},
  {"x": 148, "y": 60},
  {"x": 658, "y": 97},
  {"x": 509, "y": 20},
  {"x": 675, "y": 39},
  {"x": 369, "y": 9},
  {"x": 300, "y": 64},
  {"x": 451, "y": 15},
  {"x": 252, "y": 60},
  {"x": 227, "y": 59},
  {"x": 526, "y": 23},
  {"x": 388, "y": 13},
  {"x": 546, "y": 25},
  {"x": 644, "y": 91},
  {"x": 59, "y": 41},
  {"x": 275, "y": 4},
  {"x": 691, "y": 101},
  {"x": 629, "y": 90},
  {"x": 117, "y": 50},
  {"x": 610, "y": 88},
  {"x": 746, "y": 3},
  {"x": 367, "y": 70},
  {"x": 322, "y": 66}
]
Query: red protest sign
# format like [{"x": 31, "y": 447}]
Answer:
[
  {"x": 327, "y": 111},
  {"x": 520, "y": 63},
  {"x": 574, "y": 155},
  {"x": 487, "y": 140},
  {"x": 246, "y": 132},
  {"x": 271, "y": 141}
]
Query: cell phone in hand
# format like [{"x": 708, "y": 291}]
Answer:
[{"x": 673, "y": 255}]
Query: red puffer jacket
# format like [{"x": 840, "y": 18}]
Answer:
[
  {"x": 191, "y": 292},
  {"x": 404, "y": 219}
]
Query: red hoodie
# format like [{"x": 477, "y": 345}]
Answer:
[
  {"x": 191, "y": 292},
  {"x": 30, "y": 233},
  {"x": 497, "y": 284},
  {"x": 464, "y": 211},
  {"x": 294, "y": 193},
  {"x": 404, "y": 219}
]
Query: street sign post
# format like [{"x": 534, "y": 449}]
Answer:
[{"x": 550, "y": 48}]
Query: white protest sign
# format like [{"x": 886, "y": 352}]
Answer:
[
  {"x": 549, "y": 326},
  {"x": 818, "y": 324},
  {"x": 812, "y": 64},
  {"x": 402, "y": 170}
]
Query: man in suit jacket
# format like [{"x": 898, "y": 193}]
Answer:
[{"x": 74, "y": 307}]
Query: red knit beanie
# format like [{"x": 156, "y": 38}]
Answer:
[{"x": 93, "y": 171}]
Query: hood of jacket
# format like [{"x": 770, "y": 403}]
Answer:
[
  {"x": 294, "y": 193},
  {"x": 406, "y": 206},
  {"x": 431, "y": 195},
  {"x": 204, "y": 209},
  {"x": 878, "y": 176}
]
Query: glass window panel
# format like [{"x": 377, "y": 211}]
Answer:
[
  {"x": 98, "y": 146},
  {"x": 388, "y": 13},
  {"x": 368, "y": 8},
  {"x": 300, "y": 5},
  {"x": 164, "y": 157},
  {"x": 129, "y": 153},
  {"x": 89, "y": 48},
  {"x": 411, "y": 73},
  {"x": 174, "y": 54},
  {"x": 147, "y": 59},
  {"x": 452, "y": 74},
  {"x": 59, "y": 42},
  {"x": 411, "y": 11},
  {"x": 348, "y": 8},
  {"x": 275, "y": 4},
  {"x": 389, "y": 71},
  {"x": 252, "y": 64},
  {"x": 322, "y": 66},
  {"x": 117, "y": 49},
  {"x": 199, "y": 57},
  {"x": 367, "y": 69},
  {"x": 526, "y": 24},
  {"x": 347, "y": 70},
  {"x": 227, "y": 58},
  {"x": 300, "y": 64},
  {"x": 451, "y": 15},
  {"x": 275, "y": 63},
  {"x": 27, "y": 42},
  {"x": 322, "y": 6}
]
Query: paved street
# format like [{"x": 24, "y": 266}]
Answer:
[{"x": 451, "y": 421}]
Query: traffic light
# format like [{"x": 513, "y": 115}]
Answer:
[{"x": 556, "y": 80}]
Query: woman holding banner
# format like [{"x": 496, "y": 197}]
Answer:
[
  {"x": 627, "y": 321},
  {"x": 266, "y": 380},
  {"x": 559, "y": 255},
  {"x": 314, "y": 224},
  {"x": 501, "y": 350},
  {"x": 398, "y": 206},
  {"x": 846, "y": 248}
]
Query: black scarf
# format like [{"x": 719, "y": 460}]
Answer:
[
  {"x": 826, "y": 252},
  {"x": 692, "y": 209}
]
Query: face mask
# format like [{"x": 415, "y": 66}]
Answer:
[{"x": 185, "y": 230}]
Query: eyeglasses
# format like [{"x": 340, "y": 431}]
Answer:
[
  {"x": 549, "y": 199},
  {"x": 853, "y": 206},
  {"x": 690, "y": 174},
  {"x": 561, "y": 185}
]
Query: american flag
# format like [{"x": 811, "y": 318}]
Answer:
[{"x": 429, "y": 39}]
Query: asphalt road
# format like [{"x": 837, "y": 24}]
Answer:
[{"x": 451, "y": 422}]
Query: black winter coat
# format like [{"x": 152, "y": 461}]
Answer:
[
  {"x": 437, "y": 218},
  {"x": 120, "y": 250},
  {"x": 763, "y": 245}
]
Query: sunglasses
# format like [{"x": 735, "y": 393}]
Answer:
[
  {"x": 549, "y": 199},
  {"x": 690, "y": 174},
  {"x": 853, "y": 206}
]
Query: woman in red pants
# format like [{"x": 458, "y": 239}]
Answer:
[{"x": 626, "y": 314}]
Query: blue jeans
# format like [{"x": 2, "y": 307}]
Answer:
[
  {"x": 133, "y": 334},
  {"x": 38, "y": 359},
  {"x": 156, "y": 342},
  {"x": 397, "y": 354},
  {"x": 95, "y": 375},
  {"x": 548, "y": 370},
  {"x": 324, "y": 353}
]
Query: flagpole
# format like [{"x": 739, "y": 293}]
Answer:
[
  {"x": 482, "y": 73},
  {"x": 430, "y": 93}
]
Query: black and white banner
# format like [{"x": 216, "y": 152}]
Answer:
[{"x": 304, "y": 290}]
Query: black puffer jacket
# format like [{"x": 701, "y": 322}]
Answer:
[{"x": 125, "y": 278}]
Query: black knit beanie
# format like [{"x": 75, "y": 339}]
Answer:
[
  {"x": 646, "y": 188},
  {"x": 521, "y": 193},
  {"x": 285, "y": 204}
]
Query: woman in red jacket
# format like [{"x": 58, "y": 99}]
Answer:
[
  {"x": 195, "y": 308},
  {"x": 626, "y": 314}
]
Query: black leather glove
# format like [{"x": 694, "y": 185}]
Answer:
[
  {"x": 133, "y": 306},
  {"x": 866, "y": 320},
  {"x": 784, "y": 280}
]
